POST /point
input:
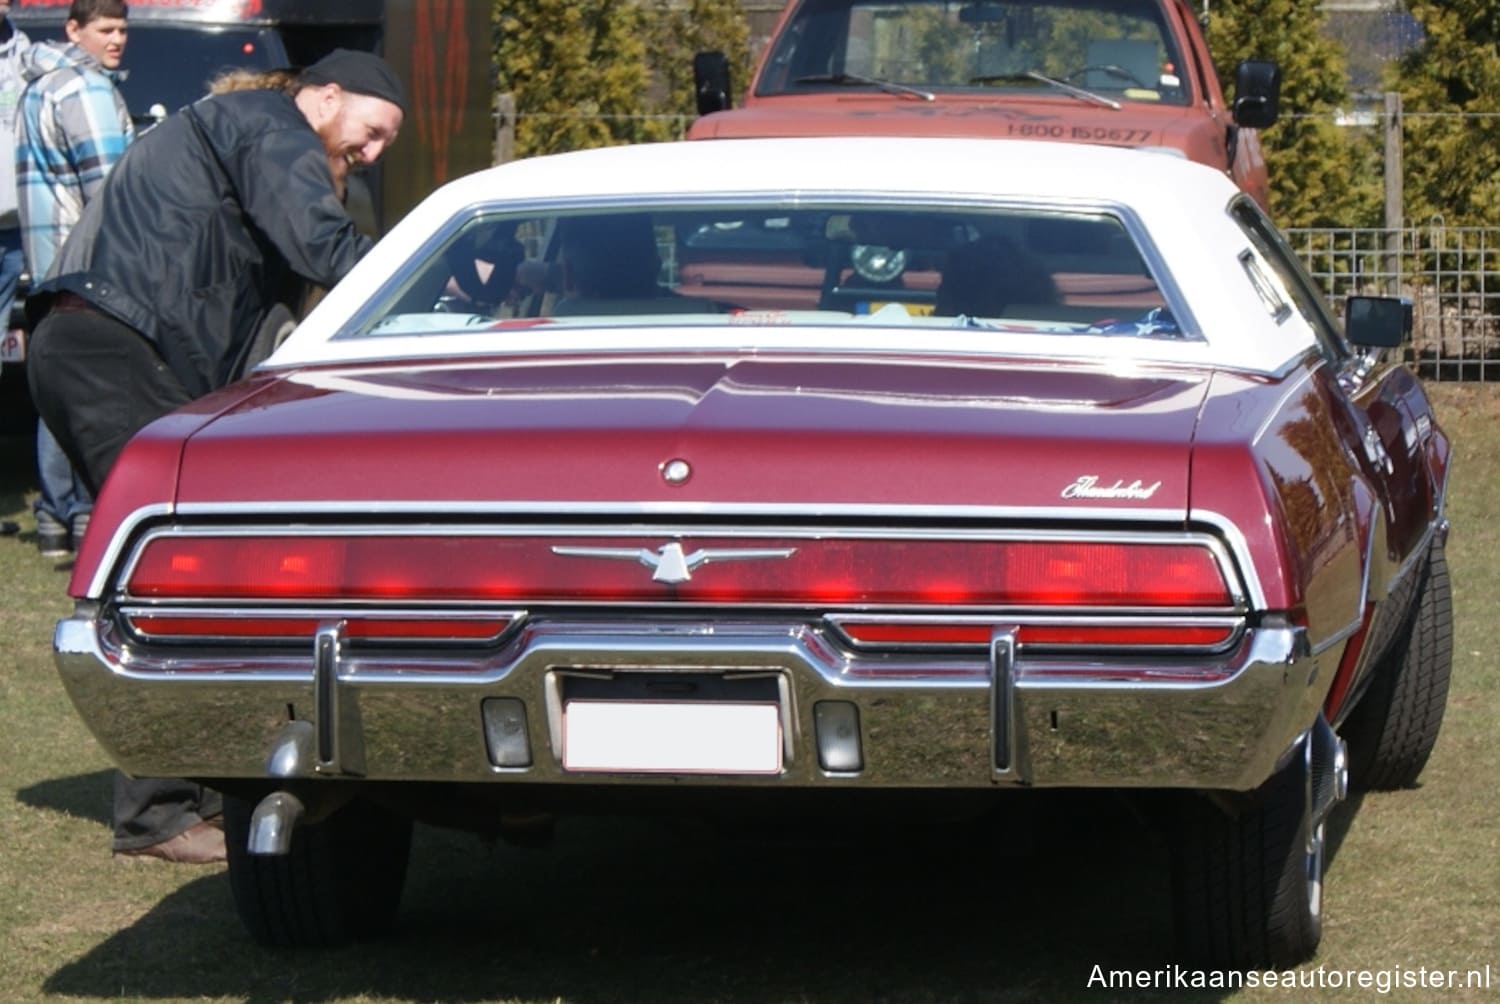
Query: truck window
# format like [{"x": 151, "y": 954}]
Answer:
[{"x": 1120, "y": 50}]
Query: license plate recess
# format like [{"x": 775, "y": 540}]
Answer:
[{"x": 679, "y": 723}]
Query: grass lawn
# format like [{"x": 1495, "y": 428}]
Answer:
[{"x": 625, "y": 909}]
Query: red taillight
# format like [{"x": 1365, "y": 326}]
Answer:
[
  {"x": 1088, "y": 573},
  {"x": 936, "y": 572},
  {"x": 208, "y": 626}
]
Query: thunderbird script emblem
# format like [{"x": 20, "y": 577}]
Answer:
[{"x": 670, "y": 563}]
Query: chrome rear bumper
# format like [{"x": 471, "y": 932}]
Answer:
[{"x": 941, "y": 722}]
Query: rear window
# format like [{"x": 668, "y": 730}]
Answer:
[{"x": 877, "y": 265}]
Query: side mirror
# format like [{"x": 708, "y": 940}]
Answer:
[
  {"x": 711, "y": 82},
  {"x": 1257, "y": 93},
  {"x": 1378, "y": 322}
]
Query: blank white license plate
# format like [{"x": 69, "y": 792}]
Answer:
[{"x": 678, "y": 737}]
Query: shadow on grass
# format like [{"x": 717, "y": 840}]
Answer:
[
  {"x": 625, "y": 909},
  {"x": 84, "y": 796}
]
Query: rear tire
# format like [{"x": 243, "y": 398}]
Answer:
[
  {"x": 1248, "y": 884},
  {"x": 1393, "y": 728},
  {"x": 340, "y": 882}
]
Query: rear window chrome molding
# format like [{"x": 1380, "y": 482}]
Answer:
[{"x": 356, "y": 327}]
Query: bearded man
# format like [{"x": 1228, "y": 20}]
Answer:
[
  {"x": 159, "y": 290},
  {"x": 201, "y": 226}
]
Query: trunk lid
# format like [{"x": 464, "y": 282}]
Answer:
[{"x": 753, "y": 431}]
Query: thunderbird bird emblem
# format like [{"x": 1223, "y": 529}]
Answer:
[{"x": 670, "y": 563}]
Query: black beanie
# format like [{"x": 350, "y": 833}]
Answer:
[{"x": 360, "y": 72}]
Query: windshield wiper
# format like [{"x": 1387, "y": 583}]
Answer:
[
  {"x": 888, "y": 86},
  {"x": 1042, "y": 78}
]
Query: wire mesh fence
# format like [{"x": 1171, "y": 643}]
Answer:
[{"x": 1450, "y": 274}]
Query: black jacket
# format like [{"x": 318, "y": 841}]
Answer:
[{"x": 200, "y": 226}]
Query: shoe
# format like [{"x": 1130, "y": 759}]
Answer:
[
  {"x": 9, "y": 528},
  {"x": 80, "y": 525},
  {"x": 53, "y": 541},
  {"x": 199, "y": 844}
]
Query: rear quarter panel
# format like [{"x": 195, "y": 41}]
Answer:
[{"x": 1272, "y": 460}]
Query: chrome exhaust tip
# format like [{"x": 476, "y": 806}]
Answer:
[
  {"x": 272, "y": 823},
  {"x": 1327, "y": 768}
]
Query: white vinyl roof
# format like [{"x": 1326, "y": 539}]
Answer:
[{"x": 1180, "y": 205}]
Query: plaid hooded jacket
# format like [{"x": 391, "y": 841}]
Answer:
[{"x": 73, "y": 127}]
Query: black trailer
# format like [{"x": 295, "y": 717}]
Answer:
[{"x": 440, "y": 48}]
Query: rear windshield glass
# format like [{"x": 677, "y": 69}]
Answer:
[
  {"x": 1120, "y": 50},
  {"x": 878, "y": 265}
]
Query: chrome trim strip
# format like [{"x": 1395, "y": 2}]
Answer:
[
  {"x": 507, "y": 618},
  {"x": 116, "y": 545},
  {"x": 611, "y": 510},
  {"x": 1238, "y": 546},
  {"x": 929, "y": 532},
  {"x": 1144, "y": 617}
]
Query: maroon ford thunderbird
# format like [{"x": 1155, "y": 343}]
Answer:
[{"x": 783, "y": 467}]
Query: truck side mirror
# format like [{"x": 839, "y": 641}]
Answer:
[
  {"x": 1257, "y": 93},
  {"x": 711, "y": 82},
  {"x": 1379, "y": 322}
]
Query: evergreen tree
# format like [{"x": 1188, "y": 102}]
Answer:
[
  {"x": 578, "y": 71},
  {"x": 1321, "y": 174},
  {"x": 1450, "y": 98},
  {"x": 591, "y": 73}
]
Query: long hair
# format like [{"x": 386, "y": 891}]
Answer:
[{"x": 240, "y": 79}]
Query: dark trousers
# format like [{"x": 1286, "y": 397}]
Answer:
[{"x": 96, "y": 382}]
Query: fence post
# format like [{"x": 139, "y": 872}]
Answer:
[
  {"x": 1393, "y": 191},
  {"x": 505, "y": 128}
]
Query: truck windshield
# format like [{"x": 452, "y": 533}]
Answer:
[{"x": 1122, "y": 51}]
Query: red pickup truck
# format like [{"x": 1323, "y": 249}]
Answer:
[{"x": 1118, "y": 72}]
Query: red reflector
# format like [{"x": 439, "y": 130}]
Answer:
[
  {"x": 918, "y": 634},
  {"x": 169, "y": 626},
  {"x": 1198, "y": 636},
  {"x": 921, "y": 633},
  {"x": 931, "y": 572}
]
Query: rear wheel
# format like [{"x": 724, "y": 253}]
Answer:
[
  {"x": 340, "y": 882},
  {"x": 1393, "y": 728},
  {"x": 1248, "y": 880}
]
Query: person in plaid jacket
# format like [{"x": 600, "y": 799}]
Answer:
[{"x": 72, "y": 128}]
